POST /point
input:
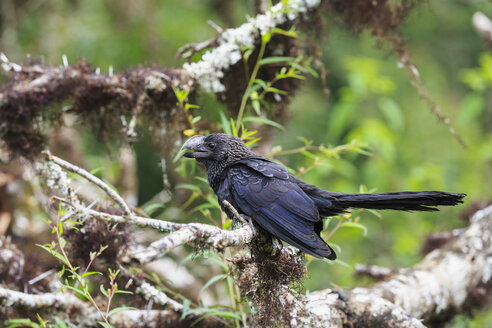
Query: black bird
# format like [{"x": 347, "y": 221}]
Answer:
[{"x": 284, "y": 205}]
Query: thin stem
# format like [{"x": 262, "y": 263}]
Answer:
[
  {"x": 230, "y": 287},
  {"x": 244, "y": 100},
  {"x": 269, "y": 84},
  {"x": 241, "y": 306},
  {"x": 235, "y": 302},
  {"x": 77, "y": 277},
  {"x": 339, "y": 224}
]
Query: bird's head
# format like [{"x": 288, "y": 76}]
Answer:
[{"x": 216, "y": 148}]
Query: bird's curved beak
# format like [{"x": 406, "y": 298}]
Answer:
[{"x": 196, "y": 147}]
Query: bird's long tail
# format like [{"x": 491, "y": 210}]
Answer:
[{"x": 403, "y": 201}]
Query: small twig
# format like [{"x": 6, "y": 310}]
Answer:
[
  {"x": 251, "y": 80},
  {"x": 149, "y": 292},
  {"x": 216, "y": 27},
  {"x": 40, "y": 277},
  {"x": 181, "y": 233},
  {"x": 211, "y": 235},
  {"x": 417, "y": 83},
  {"x": 81, "y": 314},
  {"x": 91, "y": 178},
  {"x": 55, "y": 301},
  {"x": 140, "y": 221},
  {"x": 190, "y": 49}
]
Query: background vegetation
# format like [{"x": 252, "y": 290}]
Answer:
[{"x": 366, "y": 98}]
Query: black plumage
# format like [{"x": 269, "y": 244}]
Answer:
[{"x": 284, "y": 205}]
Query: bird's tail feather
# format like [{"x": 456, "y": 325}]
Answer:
[{"x": 403, "y": 201}]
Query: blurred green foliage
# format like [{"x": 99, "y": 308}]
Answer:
[{"x": 370, "y": 100}]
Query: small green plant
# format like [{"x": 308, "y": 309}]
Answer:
[
  {"x": 257, "y": 89},
  {"x": 236, "y": 312},
  {"x": 181, "y": 96},
  {"x": 76, "y": 279},
  {"x": 18, "y": 323}
]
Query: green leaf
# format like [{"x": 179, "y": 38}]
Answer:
[
  {"x": 219, "y": 261},
  {"x": 186, "y": 308},
  {"x": 342, "y": 263},
  {"x": 41, "y": 321},
  {"x": 263, "y": 120},
  {"x": 307, "y": 69},
  {"x": 204, "y": 206},
  {"x": 196, "y": 119},
  {"x": 121, "y": 308},
  {"x": 188, "y": 106},
  {"x": 276, "y": 59},
  {"x": 202, "y": 179},
  {"x": 60, "y": 323},
  {"x": 179, "y": 155},
  {"x": 262, "y": 83},
  {"x": 96, "y": 170},
  {"x": 309, "y": 155},
  {"x": 187, "y": 186},
  {"x": 375, "y": 213},
  {"x": 103, "y": 290},
  {"x": 248, "y": 53},
  {"x": 305, "y": 141},
  {"x": 233, "y": 128},
  {"x": 106, "y": 181},
  {"x": 290, "y": 33},
  {"x": 212, "y": 281},
  {"x": 152, "y": 207},
  {"x": 78, "y": 291},
  {"x": 215, "y": 313},
  {"x": 336, "y": 247},
  {"x": 252, "y": 142},
  {"x": 54, "y": 252},
  {"x": 180, "y": 95},
  {"x": 275, "y": 90},
  {"x": 253, "y": 89},
  {"x": 90, "y": 273},
  {"x": 355, "y": 225},
  {"x": 104, "y": 324},
  {"x": 15, "y": 323},
  {"x": 256, "y": 107},
  {"x": 266, "y": 104},
  {"x": 187, "y": 259},
  {"x": 226, "y": 125}
]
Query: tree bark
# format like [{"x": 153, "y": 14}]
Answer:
[{"x": 442, "y": 284}]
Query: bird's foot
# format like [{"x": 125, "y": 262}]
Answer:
[
  {"x": 251, "y": 225},
  {"x": 244, "y": 221}
]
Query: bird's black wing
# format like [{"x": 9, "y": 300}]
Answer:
[{"x": 264, "y": 191}]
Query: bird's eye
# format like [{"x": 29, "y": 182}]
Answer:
[{"x": 211, "y": 145}]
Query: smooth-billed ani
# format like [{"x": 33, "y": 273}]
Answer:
[{"x": 284, "y": 205}]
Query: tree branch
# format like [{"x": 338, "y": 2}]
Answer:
[
  {"x": 440, "y": 284},
  {"x": 180, "y": 233},
  {"x": 80, "y": 314},
  {"x": 91, "y": 178}
]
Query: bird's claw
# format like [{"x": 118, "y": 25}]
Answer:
[{"x": 251, "y": 225}]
